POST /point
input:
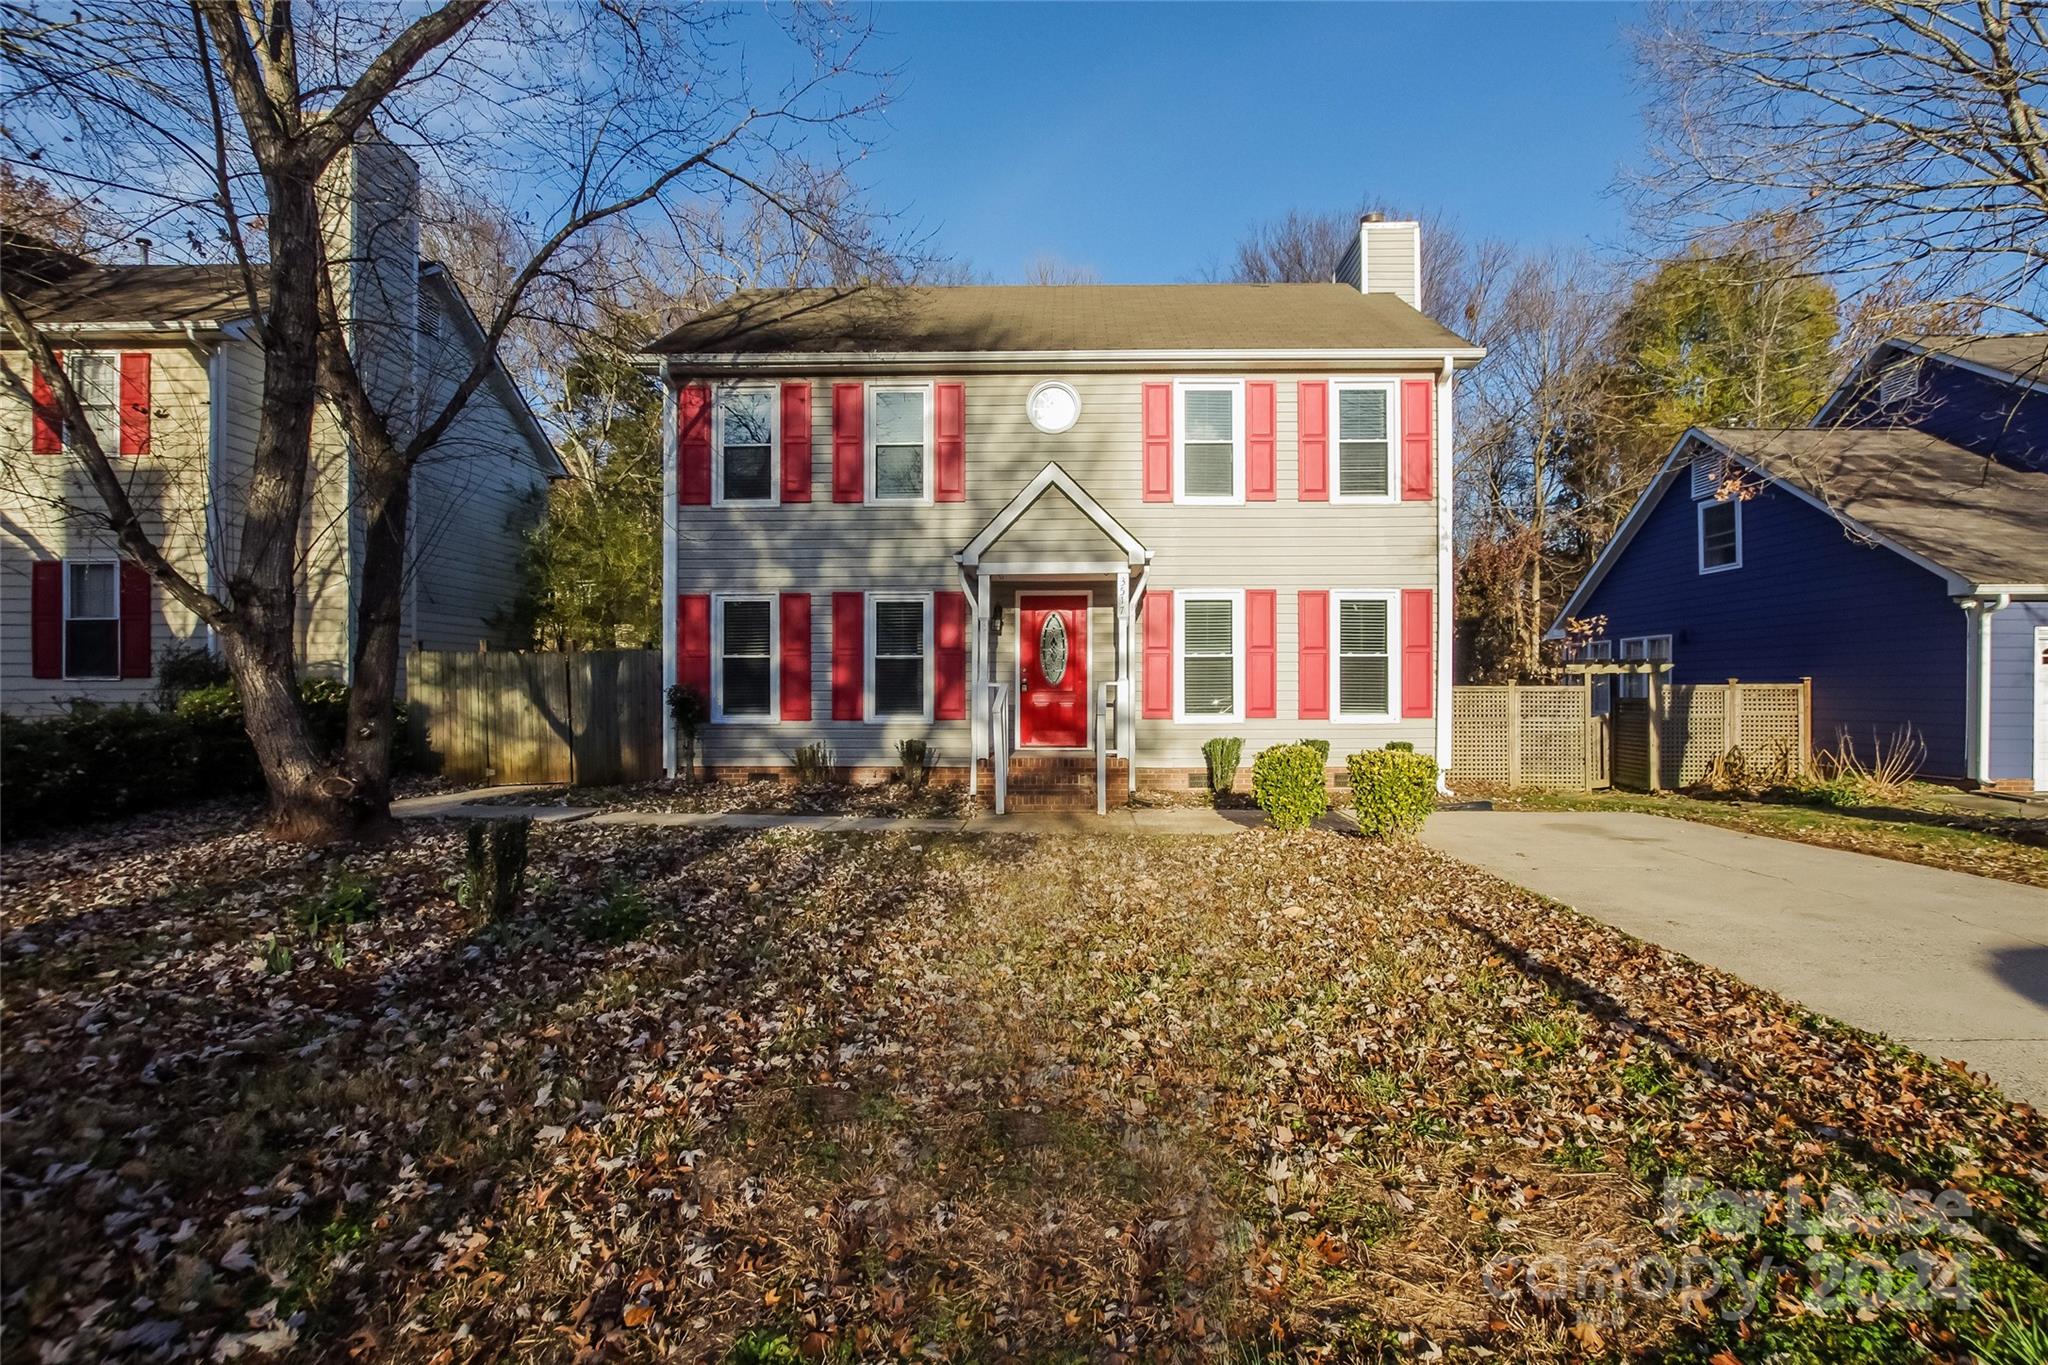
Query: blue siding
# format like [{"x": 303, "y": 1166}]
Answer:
[
  {"x": 2012, "y": 689},
  {"x": 1878, "y": 635},
  {"x": 1989, "y": 416}
]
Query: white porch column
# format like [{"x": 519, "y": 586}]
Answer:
[
  {"x": 984, "y": 744},
  {"x": 1126, "y": 703},
  {"x": 669, "y": 643}
]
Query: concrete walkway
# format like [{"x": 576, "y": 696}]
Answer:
[
  {"x": 1181, "y": 820},
  {"x": 1952, "y": 965}
]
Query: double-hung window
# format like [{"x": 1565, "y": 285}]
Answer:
[
  {"x": 1636, "y": 648},
  {"x": 1208, "y": 678},
  {"x": 743, "y": 427},
  {"x": 96, "y": 376},
  {"x": 1365, "y": 420},
  {"x": 1600, "y": 652},
  {"x": 92, "y": 618},
  {"x": 899, "y": 454},
  {"x": 1363, "y": 662},
  {"x": 745, "y": 686},
  {"x": 1208, "y": 447},
  {"x": 1720, "y": 535},
  {"x": 899, "y": 685}
]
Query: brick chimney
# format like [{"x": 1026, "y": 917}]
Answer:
[
  {"x": 369, "y": 208},
  {"x": 1386, "y": 259}
]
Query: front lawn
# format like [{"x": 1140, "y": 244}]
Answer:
[
  {"x": 735, "y": 1095},
  {"x": 1931, "y": 825},
  {"x": 760, "y": 796}
]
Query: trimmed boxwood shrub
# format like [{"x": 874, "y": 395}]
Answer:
[
  {"x": 103, "y": 762},
  {"x": 1222, "y": 755},
  {"x": 1321, "y": 746},
  {"x": 1287, "y": 782},
  {"x": 1392, "y": 791}
]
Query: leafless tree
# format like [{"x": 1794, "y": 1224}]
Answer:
[
  {"x": 216, "y": 123},
  {"x": 1047, "y": 268},
  {"x": 1913, "y": 133},
  {"x": 1300, "y": 247}
]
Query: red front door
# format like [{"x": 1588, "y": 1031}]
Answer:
[{"x": 1052, "y": 670}]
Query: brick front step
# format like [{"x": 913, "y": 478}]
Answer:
[{"x": 1052, "y": 782}]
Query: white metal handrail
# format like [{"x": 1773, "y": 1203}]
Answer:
[
  {"x": 1103, "y": 748},
  {"x": 999, "y": 741}
]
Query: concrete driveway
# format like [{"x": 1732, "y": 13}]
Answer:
[{"x": 1953, "y": 965}]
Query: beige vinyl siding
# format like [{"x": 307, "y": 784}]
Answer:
[
  {"x": 1390, "y": 264},
  {"x": 168, "y": 487},
  {"x": 1286, "y": 545}
]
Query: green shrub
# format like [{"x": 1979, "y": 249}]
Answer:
[
  {"x": 1392, "y": 791},
  {"x": 622, "y": 916},
  {"x": 1399, "y": 746},
  {"x": 689, "y": 709},
  {"x": 1222, "y": 755},
  {"x": 914, "y": 760},
  {"x": 812, "y": 763},
  {"x": 1287, "y": 782},
  {"x": 1321, "y": 746}
]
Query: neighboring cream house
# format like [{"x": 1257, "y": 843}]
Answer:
[
  {"x": 167, "y": 360},
  {"x": 1033, "y": 521}
]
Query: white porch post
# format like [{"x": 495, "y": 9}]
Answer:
[
  {"x": 669, "y": 532},
  {"x": 1126, "y": 703},
  {"x": 983, "y": 647}
]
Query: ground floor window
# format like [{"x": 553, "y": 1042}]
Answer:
[
  {"x": 745, "y": 687},
  {"x": 1364, "y": 682},
  {"x": 92, "y": 618},
  {"x": 1638, "y": 647},
  {"x": 1600, "y": 652},
  {"x": 1209, "y": 667},
  {"x": 899, "y": 656}
]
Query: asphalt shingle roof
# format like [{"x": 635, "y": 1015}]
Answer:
[
  {"x": 1977, "y": 518},
  {"x": 2024, "y": 354},
  {"x": 1075, "y": 317},
  {"x": 145, "y": 293}
]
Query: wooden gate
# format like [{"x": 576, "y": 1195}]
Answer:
[{"x": 586, "y": 719}]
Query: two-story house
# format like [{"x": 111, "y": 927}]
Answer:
[
  {"x": 1027, "y": 519},
  {"x": 170, "y": 366},
  {"x": 1895, "y": 551}
]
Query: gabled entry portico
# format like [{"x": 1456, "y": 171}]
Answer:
[{"x": 1062, "y": 575}]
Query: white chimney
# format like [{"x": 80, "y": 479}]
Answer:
[
  {"x": 1386, "y": 259},
  {"x": 369, "y": 205}
]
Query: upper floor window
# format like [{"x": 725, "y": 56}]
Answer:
[
  {"x": 1208, "y": 666},
  {"x": 1365, "y": 420},
  {"x": 1364, "y": 660},
  {"x": 1208, "y": 448},
  {"x": 899, "y": 656},
  {"x": 743, "y": 429},
  {"x": 899, "y": 443},
  {"x": 96, "y": 375},
  {"x": 92, "y": 618},
  {"x": 745, "y": 684},
  {"x": 1720, "y": 535}
]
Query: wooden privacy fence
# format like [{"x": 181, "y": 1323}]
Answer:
[
  {"x": 1673, "y": 736},
  {"x": 587, "y": 719},
  {"x": 1528, "y": 736}
]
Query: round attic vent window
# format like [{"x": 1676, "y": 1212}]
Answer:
[{"x": 1053, "y": 407}]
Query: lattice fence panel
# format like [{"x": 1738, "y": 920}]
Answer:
[
  {"x": 1553, "y": 737},
  {"x": 1693, "y": 732},
  {"x": 1479, "y": 733},
  {"x": 1770, "y": 721}
]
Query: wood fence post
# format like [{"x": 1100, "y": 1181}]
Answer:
[
  {"x": 1653, "y": 729},
  {"x": 1805, "y": 724},
  {"x": 1514, "y": 735},
  {"x": 1731, "y": 717}
]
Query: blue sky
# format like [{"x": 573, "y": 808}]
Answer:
[{"x": 1140, "y": 140}]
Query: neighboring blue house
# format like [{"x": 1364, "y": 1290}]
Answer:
[{"x": 1896, "y": 552}]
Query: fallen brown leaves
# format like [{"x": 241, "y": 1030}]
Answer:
[{"x": 889, "y": 1096}]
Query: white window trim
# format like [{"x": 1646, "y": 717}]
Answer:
[
  {"x": 1183, "y": 387},
  {"x": 719, "y": 715},
  {"x": 1600, "y": 652},
  {"x": 64, "y": 624},
  {"x": 1335, "y": 436},
  {"x": 718, "y": 497},
  {"x": 1632, "y": 680},
  {"x": 1393, "y": 600},
  {"x": 1700, "y": 535},
  {"x": 1181, "y": 598},
  {"x": 870, "y": 639},
  {"x": 868, "y": 442},
  {"x": 64, "y": 428}
]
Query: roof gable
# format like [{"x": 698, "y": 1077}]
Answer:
[{"x": 1082, "y": 512}]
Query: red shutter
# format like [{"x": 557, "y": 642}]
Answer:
[
  {"x": 1158, "y": 682},
  {"x": 849, "y": 646},
  {"x": 693, "y": 445},
  {"x": 949, "y": 443},
  {"x": 49, "y": 427},
  {"x": 693, "y": 642},
  {"x": 949, "y": 631},
  {"x": 135, "y": 619},
  {"x": 1312, "y": 430},
  {"x": 796, "y": 449},
  {"x": 46, "y": 618},
  {"x": 1158, "y": 406},
  {"x": 796, "y": 653},
  {"x": 1418, "y": 401},
  {"x": 848, "y": 478},
  {"x": 1261, "y": 439},
  {"x": 135, "y": 406},
  {"x": 1314, "y": 625},
  {"x": 1261, "y": 654},
  {"x": 1418, "y": 637}
]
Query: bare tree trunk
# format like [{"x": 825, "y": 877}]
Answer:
[{"x": 387, "y": 498}]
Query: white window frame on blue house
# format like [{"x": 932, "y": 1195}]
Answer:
[
  {"x": 1734, "y": 506},
  {"x": 1637, "y": 685}
]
